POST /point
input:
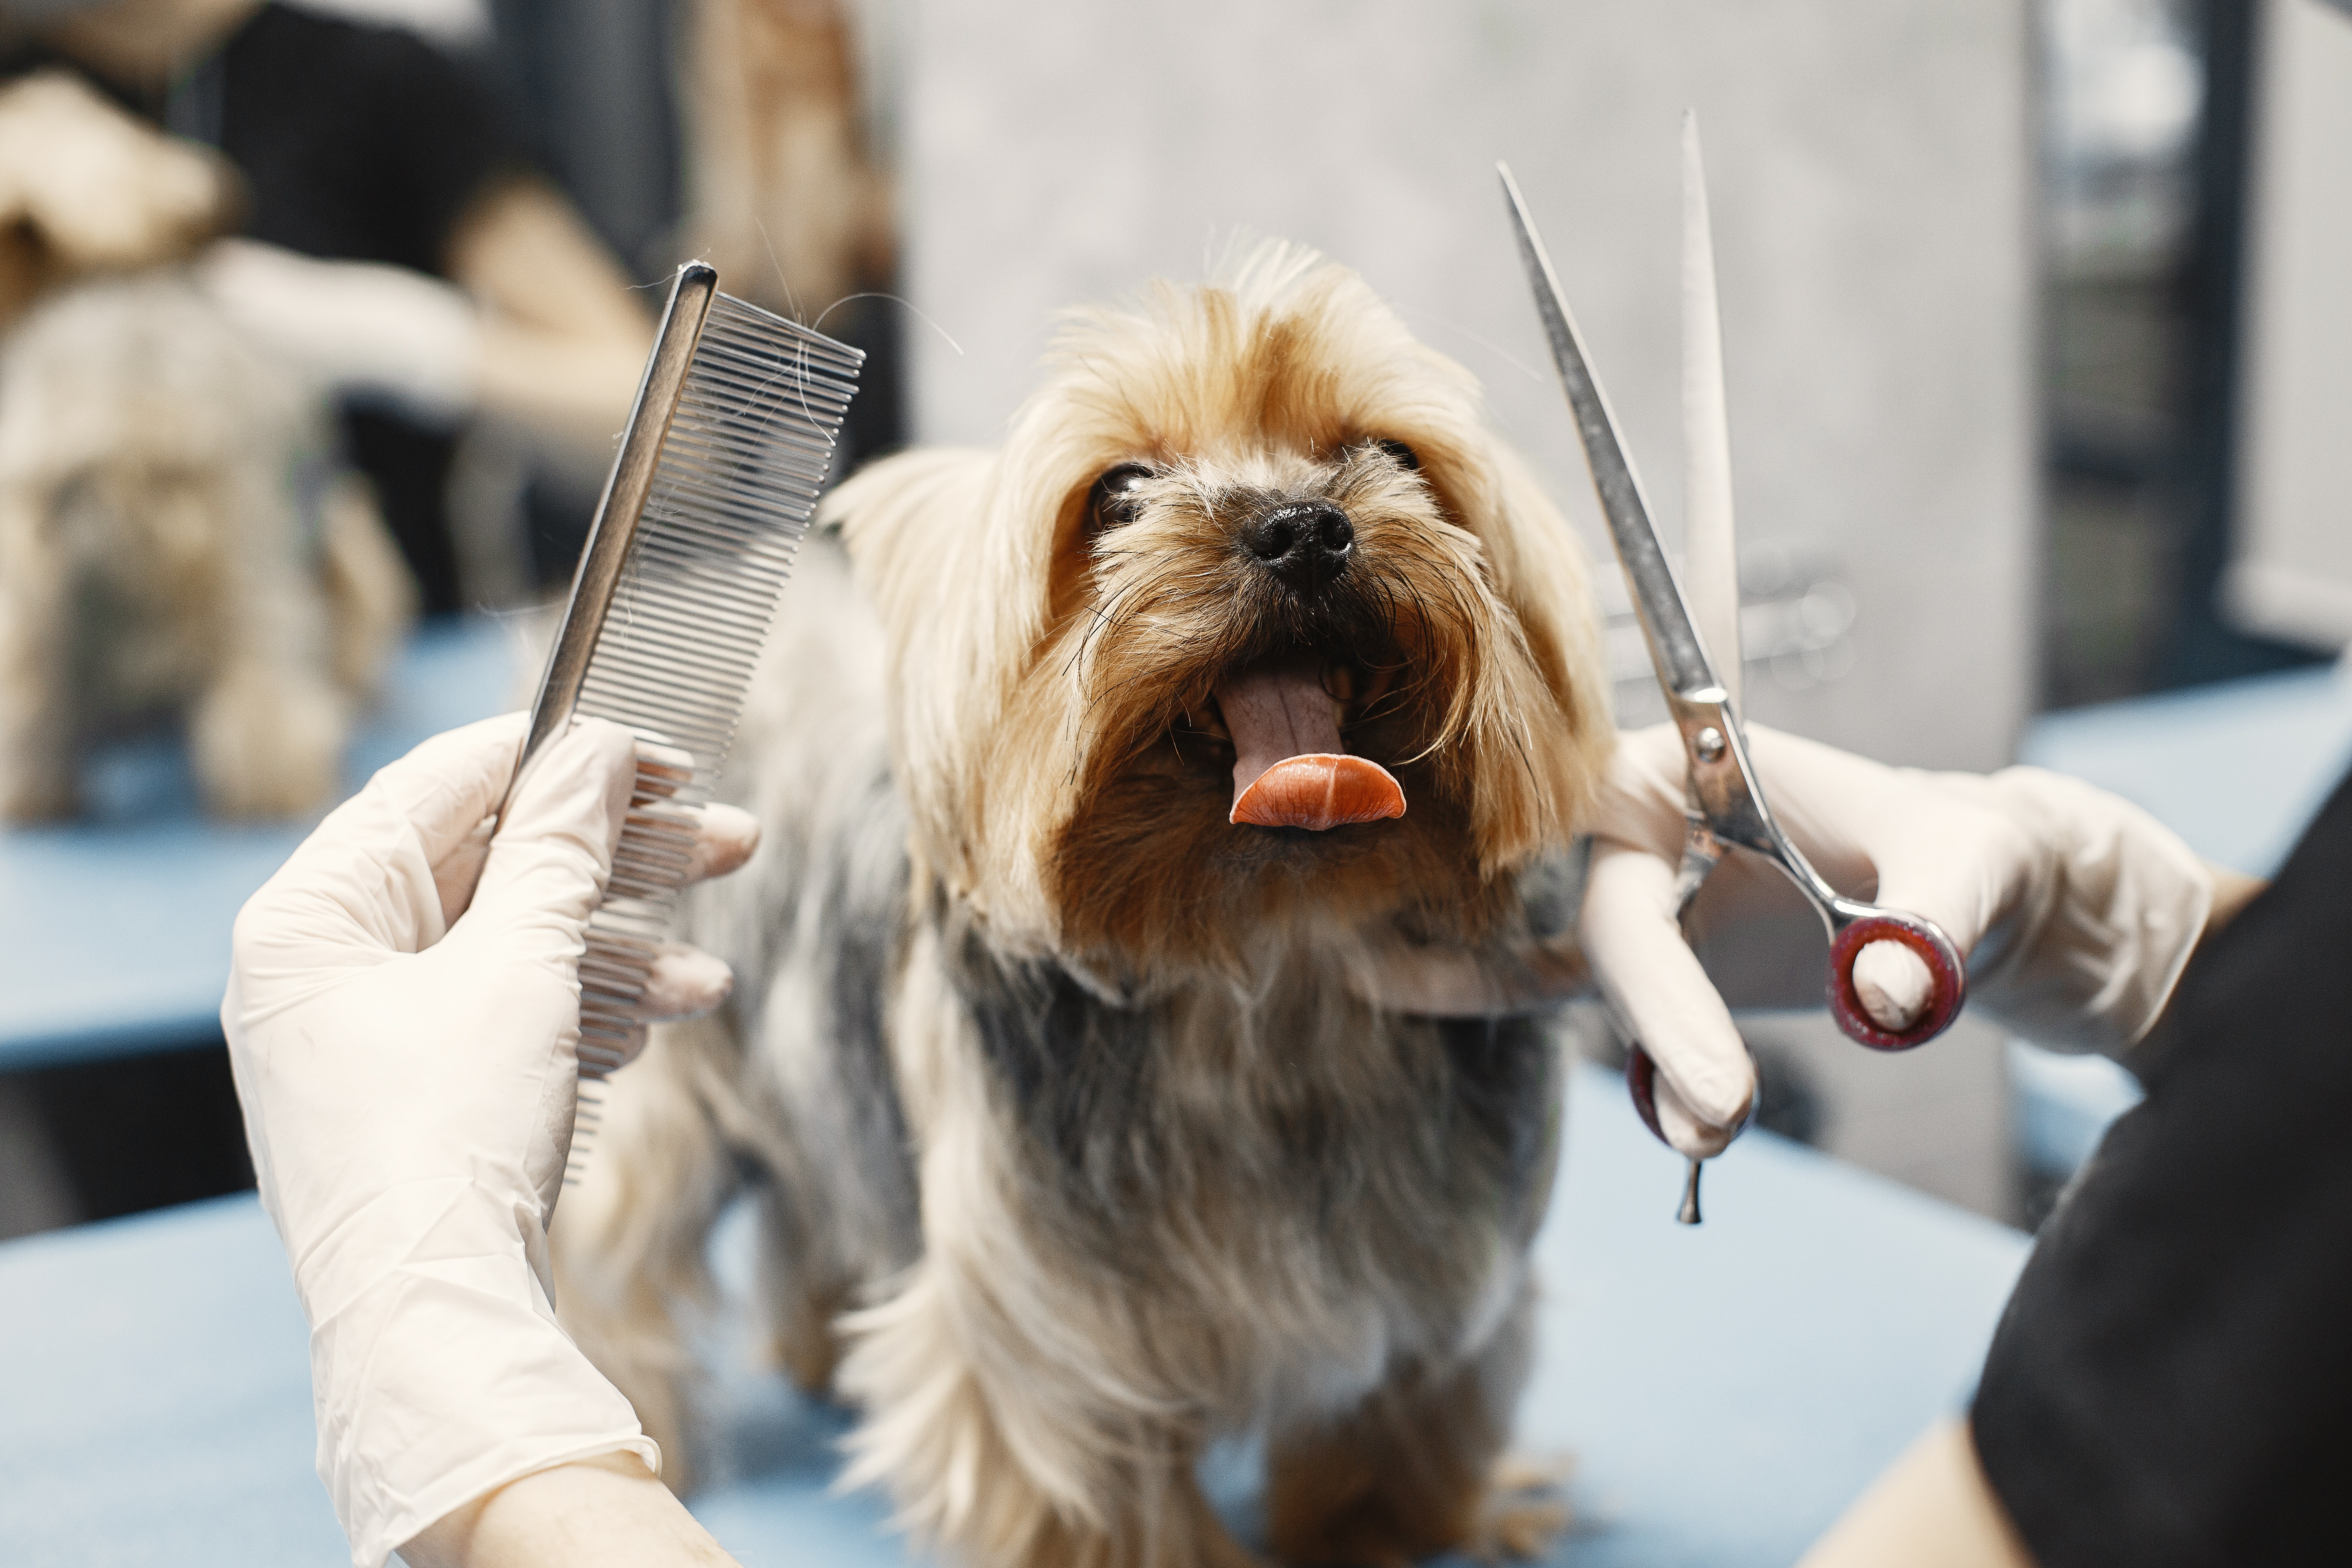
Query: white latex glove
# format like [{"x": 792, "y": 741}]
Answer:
[
  {"x": 403, "y": 1040},
  {"x": 360, "y": 328},
  {"x": 2074, "y": 910}
]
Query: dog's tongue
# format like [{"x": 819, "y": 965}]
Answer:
[{"x": 1290, "y": 767}]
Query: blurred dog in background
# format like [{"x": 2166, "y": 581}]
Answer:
[
  {"x": 176, "y": 539},
  {"x": 176, "y": 536},
  {"x": 1110, "y": 782}
]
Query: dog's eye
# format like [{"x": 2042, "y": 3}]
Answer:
[{"x": 1114, "y": 501}]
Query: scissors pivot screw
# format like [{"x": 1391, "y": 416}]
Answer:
[{"x": 1709, "y": 743}]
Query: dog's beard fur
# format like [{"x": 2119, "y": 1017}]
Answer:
[
  {"x": 1148, "y": 873},
  {"x": 1071, "y": 1085}
]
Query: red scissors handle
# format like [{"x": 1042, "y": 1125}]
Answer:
[{"x": 1854, "y": 927}]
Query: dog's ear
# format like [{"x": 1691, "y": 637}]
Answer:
[
  {"x": 1541, "y": 572},
  {"x": 915, "y": 527},
  {"x": 959, "y": 619}
]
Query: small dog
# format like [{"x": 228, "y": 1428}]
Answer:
[
  {"x": 1109, "y": 782},
  {"x": 175, "y": 539}
]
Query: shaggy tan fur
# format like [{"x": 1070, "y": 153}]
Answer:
[
  {"x": 1078, "y": 1091},
  {"x": 175, "y": 538}
]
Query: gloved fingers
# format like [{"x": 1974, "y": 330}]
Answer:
[
  {"x": 717, "y": 837},
  {"x": 447, "y": 788},
  {"x": 724, "y": 837},
  {"x": 1816, "y": 792},
  {"x": 1829, "y": 802},
  {"x": 1894, "y": 984},
  {"x": 1649, "y": 973},
  {"x": 1688, "y": 1132},
  {"x": 720, "y": 839},
  {"x": 683, "y": 982},
  {"x": 1639, "y": 802},
  {"x": 1937, "y": 845},
  {"x": 366, "y": 880},
  {"x": 1923, "y": 842},
  {"x": 456, "y": 874},
  {"x": 1958, "y": 864},
  {"x": 663, "y": 769},
  {"x": 546, "y": 869}
]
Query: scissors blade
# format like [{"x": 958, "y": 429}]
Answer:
[
  {"x": 1681, "y": 658},
  {"x": 1711, "y": 540}
]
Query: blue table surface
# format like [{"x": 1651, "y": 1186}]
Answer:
[
  {"x": 1723, "y": 1391},
  {"x": 116, "y": 927}
]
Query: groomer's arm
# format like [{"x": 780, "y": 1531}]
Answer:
[
  {"x": 563, "y": 340},
  {"x": 1932, "y": 1509},
  {"x": 535, "y": 328},
  {"x": 607, "y": 1513}
]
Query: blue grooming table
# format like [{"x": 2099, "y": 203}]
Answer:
[
  {"x": 2237, "y": 769},
  {"x": 1722, "y": 1392},
  {"x": 117, "y": 926}
]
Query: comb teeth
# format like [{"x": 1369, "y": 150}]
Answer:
[{"x": 751, "y": 436}]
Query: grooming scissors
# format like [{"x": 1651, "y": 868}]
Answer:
[{"x": 1724, "y": 802}]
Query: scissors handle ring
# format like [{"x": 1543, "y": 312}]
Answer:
[{"x": 1949, "y": 981}]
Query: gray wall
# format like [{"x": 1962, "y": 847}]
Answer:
[{"x": 1869, "y": 170}]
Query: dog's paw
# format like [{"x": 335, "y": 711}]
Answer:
[
  {"x": 267, "y": 744},
  {"x": 1523, "y": 1511}
]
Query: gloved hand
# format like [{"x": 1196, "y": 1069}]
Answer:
[
  {"x": 403, "y": 1039},
  {"x": 362, "y": 329},
  {"x": 2076, "y": 911}
]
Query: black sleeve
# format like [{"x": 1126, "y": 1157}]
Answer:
[
  {"x": 359, "y": 144},
  {"x": 2169, "y": 1383}
]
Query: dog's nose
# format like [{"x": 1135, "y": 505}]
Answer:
[{"x": 1305, "y": 543}]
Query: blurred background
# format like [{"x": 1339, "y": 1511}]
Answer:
[{"x": 2036, "y": 355}]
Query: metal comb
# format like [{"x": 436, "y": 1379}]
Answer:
[{"x": 727, "y": 447}]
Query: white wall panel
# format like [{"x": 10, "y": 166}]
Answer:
[{"x": 2292, "y": 574}]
